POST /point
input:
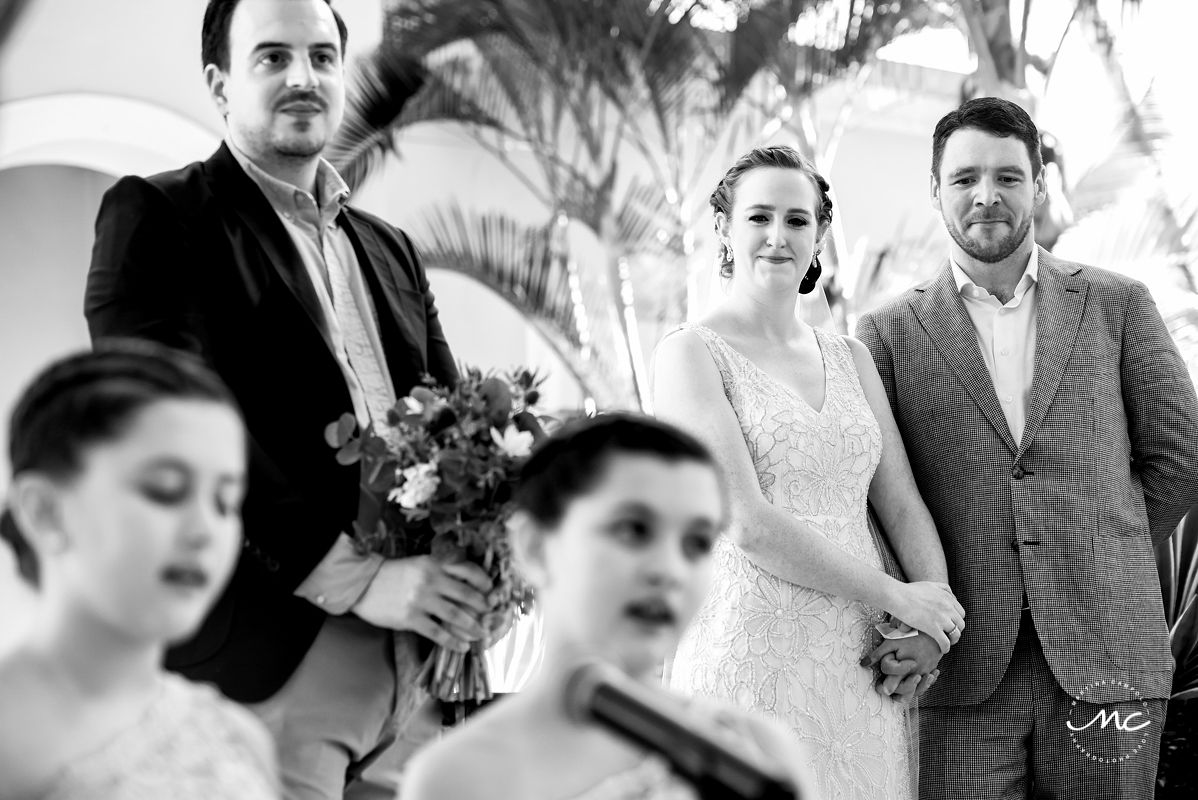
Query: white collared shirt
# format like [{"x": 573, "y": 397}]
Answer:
[
  {"x": 323, "y": 245},
  {"x": 1007, "y": 338},
  {"x": 343, "y": 575}
]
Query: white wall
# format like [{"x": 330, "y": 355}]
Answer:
[
  {"x": 45, "y": 242},
  {"x": 46, "y": 238}
]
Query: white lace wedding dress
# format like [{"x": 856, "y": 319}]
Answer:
[{"x": 787, "y": 651}]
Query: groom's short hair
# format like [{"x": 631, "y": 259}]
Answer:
[{"x": 993, "y": 115}]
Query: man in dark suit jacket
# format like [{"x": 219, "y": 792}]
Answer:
[
  {"x": 307, "y": 308},
  {"x": 1053, "y": 431}
]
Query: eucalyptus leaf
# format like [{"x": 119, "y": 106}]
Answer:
[
  {"x": 338, "y": 433},
  {"x": 350, "y": 453}
]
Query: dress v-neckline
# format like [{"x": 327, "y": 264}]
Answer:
[{"x": 823, "y": 359}]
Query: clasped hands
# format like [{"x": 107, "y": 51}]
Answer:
[
  {"x": 449, "y": 604},
  {"x": 908, "y": 664}
]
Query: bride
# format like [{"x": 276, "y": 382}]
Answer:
[{"x": 799, "y": 420}]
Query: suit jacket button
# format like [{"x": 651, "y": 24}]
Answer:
[{"x": 1018, "y": 473}]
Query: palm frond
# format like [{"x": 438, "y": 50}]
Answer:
[
  {"x": 1183, "y": 640},
  {"x": 646, "y": 222},
  {"x": 422, "y": 27},
  {"x": 379, "y": 90},
  {"x": 10, "y": 12},
  {"x": 1177, "y": 567},
  {"x": 526, "y": 267},
  {"x": 756, "y": 44}
]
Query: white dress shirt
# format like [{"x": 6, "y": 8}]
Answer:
[
  {"x": 349, "y": 316},
  {"x": 1007, "y": 339}
]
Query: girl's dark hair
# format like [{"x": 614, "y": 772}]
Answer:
[
  {"x": 92, "y": 397},
  {"x": 572, "y": 461},
  {"x": 724, "y": 196}
]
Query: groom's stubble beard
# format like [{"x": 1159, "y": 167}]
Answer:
[{"x": 989, "y": 252}]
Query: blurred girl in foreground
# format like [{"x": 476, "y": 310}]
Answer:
[
  {"x": 128, "y": 468},
  {"x": 615, "y": 523}
]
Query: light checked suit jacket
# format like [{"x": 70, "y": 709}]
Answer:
[{"x": 1107, "y": 466}]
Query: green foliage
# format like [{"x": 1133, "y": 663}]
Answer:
[
  {"x": 1177, "y": 565},
  {"x": 442, "y": 470}
]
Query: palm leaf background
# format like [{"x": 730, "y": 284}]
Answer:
[
  {"x": 527, "y": 267},
  {"x": 584, "y": 85},
  {"x": 1177, "y": 563}
]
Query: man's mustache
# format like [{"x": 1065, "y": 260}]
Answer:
[
  {"x": 987, "y": 217},
  {"x": 310, "y": 98}
]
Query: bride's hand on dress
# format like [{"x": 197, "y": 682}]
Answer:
[{"x": 930, "y": 607}]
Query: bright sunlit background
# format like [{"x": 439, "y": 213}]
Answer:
[{"x": 90, "y": 91}]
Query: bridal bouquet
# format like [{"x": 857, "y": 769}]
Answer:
[{"x": 442, "y": 469}]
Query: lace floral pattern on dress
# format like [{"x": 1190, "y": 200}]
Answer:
[
  {"x": 785, "y": 650},
  {"x": 192, "y": 744}
]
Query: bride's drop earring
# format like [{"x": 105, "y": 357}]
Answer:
[{"x": 813, "y": 273}]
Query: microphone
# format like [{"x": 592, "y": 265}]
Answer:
[{"x": 601, "y": 693}]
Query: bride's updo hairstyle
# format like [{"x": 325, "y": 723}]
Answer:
[
  {"x": 724, "y": 196},
  {"x": 574, "y": 460},
  {"x": 90, "y": 398}
]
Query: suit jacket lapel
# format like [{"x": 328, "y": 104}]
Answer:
[
  {"x": 376, "y": 264},
  {"x": 941, "y": 312},
  {"x": 238, "y": 192},
  {"x": 1060, "y": 300}
]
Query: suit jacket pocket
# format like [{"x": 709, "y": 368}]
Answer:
[{"x": 1134, "y": 630}]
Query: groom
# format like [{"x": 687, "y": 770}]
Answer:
[
  {"x": 307, "y": 308},
  {"x": 1053, "y": 431}
]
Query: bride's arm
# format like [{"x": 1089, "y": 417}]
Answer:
[
  {"x": 689, "y": 393},
  {"x": 905, "y": 518}
]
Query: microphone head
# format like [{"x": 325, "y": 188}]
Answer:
[{"x": 582, "y": 684}]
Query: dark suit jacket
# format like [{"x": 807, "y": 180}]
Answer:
[
  {"x": 1107, "y": 466},
  {"x": 198, "y": 259}
]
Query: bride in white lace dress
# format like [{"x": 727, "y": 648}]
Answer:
[{"x": 799, "y": 419}]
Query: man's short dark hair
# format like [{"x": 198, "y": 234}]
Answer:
[
  {"x": 994, "y": 116},
  {"x": 214, "y": 36}
]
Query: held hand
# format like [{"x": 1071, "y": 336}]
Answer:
[
  {"x": 908, "y": 666},
  {"x": 931, "y": 608},
  {"x": 907, "y": 685},
  {"x": 921, "y": 651},
  {"x": 444, "y": 603}
]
